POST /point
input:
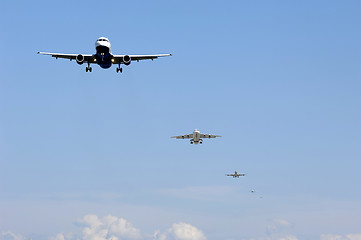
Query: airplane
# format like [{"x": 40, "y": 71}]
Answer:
[
  {"x": 196, "y": 137},
  {"x": 236, "y": 175},
  {"x": 104, "y": 57}
]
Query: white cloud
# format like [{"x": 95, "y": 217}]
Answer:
[
  {"x": 109, "y": 227},
  {"x": 184, "y": 231},
  {"x": 340, "y": 237},
  {"x": 7, "y": 235},
  {"x": 180, "y": 231}
]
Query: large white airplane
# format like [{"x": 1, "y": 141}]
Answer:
[
  {"x": 103, "y": 56},
  {"x": 196, "y": 137}
]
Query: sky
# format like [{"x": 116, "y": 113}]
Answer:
[{"x": 89, "y": 156}]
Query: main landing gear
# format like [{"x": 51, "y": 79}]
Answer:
[
  {"x": 88, "y": 68},
  {"x": 119, "y": 69}
]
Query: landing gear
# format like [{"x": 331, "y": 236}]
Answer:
[
  {"x": 119, "y": 69},
  {"x": 191, "y": 142},
  {"x": 88, "y": 68}
]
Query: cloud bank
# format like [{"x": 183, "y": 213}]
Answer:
[{"x": 116, "y": 228}]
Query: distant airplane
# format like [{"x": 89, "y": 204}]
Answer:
[
  {"x": 103, "y": 56},
  {"x": 236, "y": 175},
  {"x": 254, "y": 192},
  {"x": 196, "y": 137}
]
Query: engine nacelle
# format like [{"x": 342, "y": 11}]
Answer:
[
  {"x": 127, "y": 59},
  {"x": 79, "y": 59}
]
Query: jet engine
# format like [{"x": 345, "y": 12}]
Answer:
[
  {"x": 79, "y": 59},
  {"x": 126, "y": 60}
]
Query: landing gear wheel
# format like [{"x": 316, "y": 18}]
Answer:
[
  {"x": 88, "y": 69},
  {"x": 119, "y": 69},
  {"x": 191, "y": 142}
]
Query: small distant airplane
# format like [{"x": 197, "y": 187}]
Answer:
[
  {"x": 254, "y": 192},
  {"x": 103, "y": 56},
  {"x": 236, "y": 175},
  {"x": 196, "y": 137}
]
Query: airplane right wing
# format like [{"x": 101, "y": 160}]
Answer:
[
  {"x": 86, "y": 57},
  {"x": 119, "y": 59},
  {"x": 183, "y": 136},
  {"x": 208, "y": 136}
]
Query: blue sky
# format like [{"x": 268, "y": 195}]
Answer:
[{"x": 279, "y": 80}]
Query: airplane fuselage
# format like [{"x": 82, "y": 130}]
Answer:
[
  {"x": 196, "y": 136},
  {"x": 103, "y": 54}
]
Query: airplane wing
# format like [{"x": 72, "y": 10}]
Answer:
[
  {"x": 119, "y": 58},
  {"x": 183, "y": 136},
  {"x": 231, "y": 175},
  {"x": 208, "y": 136},
  {"x": 87, "y": 57}
]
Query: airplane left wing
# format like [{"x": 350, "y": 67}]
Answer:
[
  {"x": 87, "y": 57},
  {"x": 208, "y": 136},
  {"x": 183, "y": 136},
  {"x": 119, "y": 58}
]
